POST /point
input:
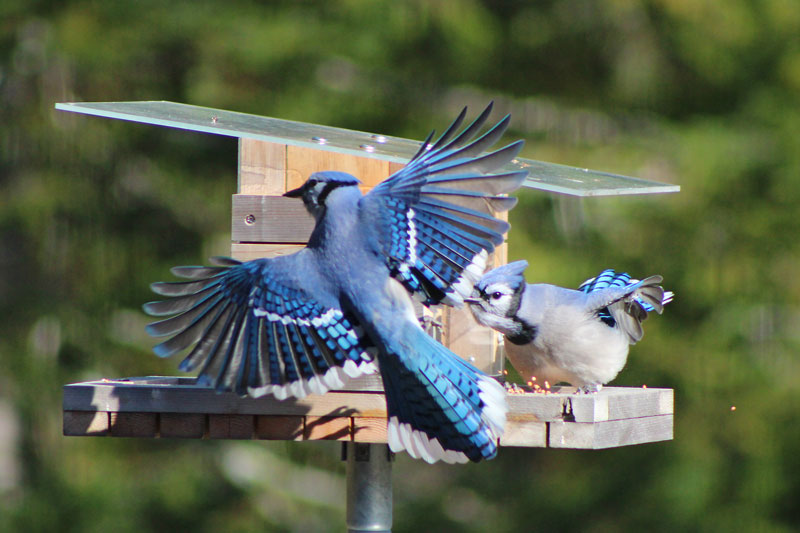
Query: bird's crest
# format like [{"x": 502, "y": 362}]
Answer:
[{"x": 510, "y": 274}]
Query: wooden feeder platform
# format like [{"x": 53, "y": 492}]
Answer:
[
  {"x": 170, "y": 407},
  {"x": 276, "y": 156}
]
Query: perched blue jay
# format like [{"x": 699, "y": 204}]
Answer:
[
  {"x": 554, "y": 334},
  {"x": 304, "y": 323}
]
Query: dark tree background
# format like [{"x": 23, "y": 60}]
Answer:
[{"x": 702, "y": 94}]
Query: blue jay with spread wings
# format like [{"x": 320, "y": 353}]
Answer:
[
  {"x": 341, "y": 307},
  {"x": 576, "y": 336}
]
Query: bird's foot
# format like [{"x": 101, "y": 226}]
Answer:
[{"x": 590, "y": 388}]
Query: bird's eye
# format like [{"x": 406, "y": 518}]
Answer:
[
  {"x": 497, "y": 295},
  {"x": 311, "y": 183}
]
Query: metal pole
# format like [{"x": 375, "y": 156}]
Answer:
[{"x": 369, "y": 487}]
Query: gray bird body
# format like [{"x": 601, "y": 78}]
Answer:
[
  {"x": 556, "y": 334},
  {"x": 571, "y": 344}
]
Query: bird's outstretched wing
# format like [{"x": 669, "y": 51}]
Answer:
[
  {"x": 624, "y": 302},
  {"x": 256, "y": 331},
  {"x": 436, "y": 216}
]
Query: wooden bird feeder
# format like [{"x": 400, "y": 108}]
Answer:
[{"x": 276, "y": 156}]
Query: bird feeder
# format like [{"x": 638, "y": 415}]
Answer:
[{"x": 278, "y": 155}]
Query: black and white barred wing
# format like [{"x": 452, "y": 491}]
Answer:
[
  {"x": 436, "y": 215},
  {"x": 253, "y": 330}
]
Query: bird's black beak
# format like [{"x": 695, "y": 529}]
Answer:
[
  {"x": 295, "y": 193},
  {"x": 472, "y": 300}
]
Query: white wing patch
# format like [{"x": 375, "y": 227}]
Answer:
[
  {"x": 412, "y": 239},
  {"x": 493, "y": 396},
  {"x": 418, "y": 445},
  {"x": 463, "y": 286},
  {"x": 335, "y": 378}
]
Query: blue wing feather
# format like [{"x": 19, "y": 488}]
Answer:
[
  {"x": 449, "y": 189},
  {"x": 606, "y": 279},
  {"x": 609, "y": 279},
  {"x": 254, "y": 329}
]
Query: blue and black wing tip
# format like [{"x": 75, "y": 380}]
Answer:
[
  {"x": 446, "y": 142},
  {"x": 188, "y": 304},
  {"x": 219, "y": 264},
  {"x": 515, "y": 148},
  {"x": 424, "y": 146},
  {"x": 451, "y": 130}
]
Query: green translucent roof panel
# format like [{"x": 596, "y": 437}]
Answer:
[{"x": 545, "y": 176}]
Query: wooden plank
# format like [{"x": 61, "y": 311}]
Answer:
[
  {"x": 394, "y": 167},
  {"x": 611, "y": 403},
  {"x": 617, "y": 403},
  {"x": 270, "y": 219},
  {"x": 128, "y": 396},
  {"x": 85, "y": 423},
  {"x": 262, "y": 167},
  {"x": 182, "y": 395},
  {"x": 182, "y": 425},
  {"x": 302, "y": 162},
  {"x": 366, "y": 429},
  {"x": 143, "y": 425},
  {"x": 249, "y": 251},
  {"x": 327, "y": 428},
  {"x": 276, "y": 427},
  {"x": 231, "y": 426},
  {"x": 177, "y": 407},
  {"x": 531, "y": 434},
  {"x": 610, "y": 434},
  {"x": 529, "y": 406}
]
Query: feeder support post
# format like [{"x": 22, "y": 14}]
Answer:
[{"x": 369, "y": 487}]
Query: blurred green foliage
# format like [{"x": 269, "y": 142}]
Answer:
[{"x": 704, "y": 94}]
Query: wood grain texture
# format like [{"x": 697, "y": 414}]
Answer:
[
  {"x": 276, "y": 427},
  {"x": 269, "y": 219},
  {"x": 610, "y": 434},
  {"x": 327, "y": 428},
  {"x": 262, "y": 167},
  {"x": 182, "y": 425},
  {"x": 85, "y": 423},
  {"x": 249, "y": 251},
  {"x": 127, "y": 424},
  {"x": 529, "y": 434},
  {"x": 367, "y": 429},
  {"x": 302, "y": 162},
  {"x": 231, "y": 426},
  {"x": 611, "y": 403}
]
